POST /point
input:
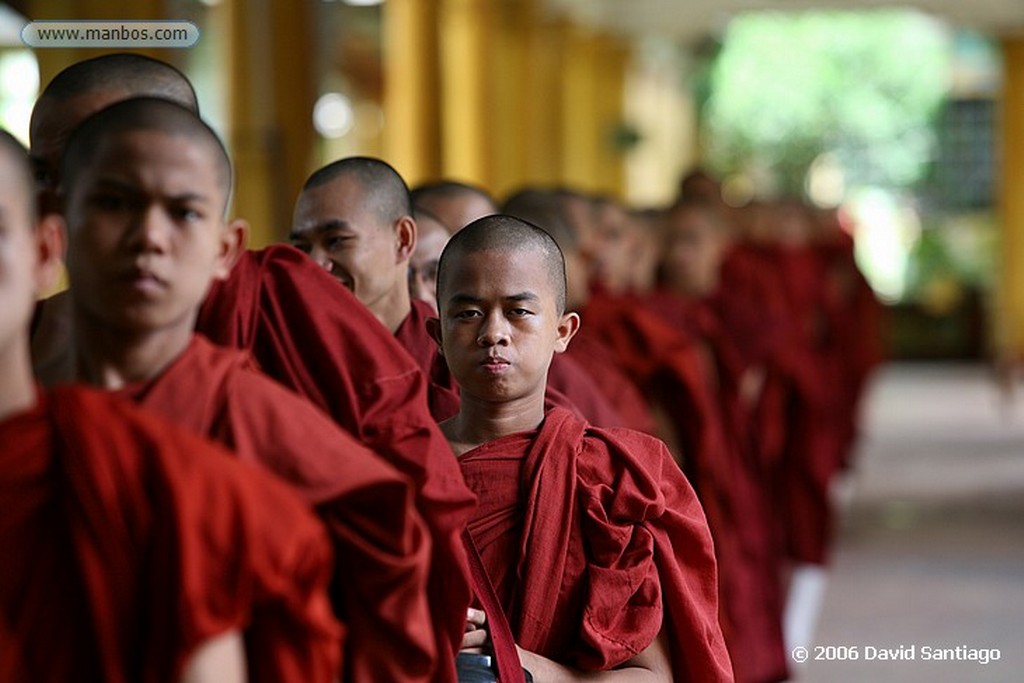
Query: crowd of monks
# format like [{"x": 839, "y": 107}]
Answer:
[{"x": 437, "y": 437}]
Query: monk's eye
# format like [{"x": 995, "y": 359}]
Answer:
[
  {"x": 520, "y": 312},
  {"x": 304, "y": 247},
  {"x": 467, "y": 314},
  {"x": 110, "y": 202},
  {"x": 186, "y": 214}
]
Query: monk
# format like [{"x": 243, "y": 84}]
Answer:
[
  {"x": 354, "y": 218},
  {"x": 430, "y": 240},
  {"x": 212, "y": 548},
  {"x": 302, "y": 329},
  {"x": 592, "y": 539},
  {"x": 454, "y": 203},
  {"x": 147, "y": 185}
]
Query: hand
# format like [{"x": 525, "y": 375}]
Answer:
[{"x": 476, "y": 636}]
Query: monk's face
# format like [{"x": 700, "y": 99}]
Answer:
[
  {"x": 52, "y": 123},
  {"x": 614, "y": 247},
  {"x": 430, "y": 241},
  {"x": 694, "y": 252},
  {"x": 146, "y": 231},
  {"x": 337, "y": 225},
  {"x": 500, "y": 324},
  {"x": 19, "y": 259}
]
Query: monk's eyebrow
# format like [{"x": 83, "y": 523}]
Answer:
[
  {"x": 318, "y": 229},
  {"x": 106, "y": 184},
  {"x": 523, "y": 296},
  {"x": 464, "y": 299}
]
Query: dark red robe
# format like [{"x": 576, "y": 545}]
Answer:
[
  {"x": 132, "y": 541},
  {"x": 380, "y": 540},
  {"x": 594, "y": 542},
  {"x": 311, "y": 334}
]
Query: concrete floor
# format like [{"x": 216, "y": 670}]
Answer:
[{"x": 931, "y": 545}]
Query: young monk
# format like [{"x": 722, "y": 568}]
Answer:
[
  {"x": 455, "y": 204},
  {"x": 147, "y": 186},
  {"x": 126, "y": 532},
  {"x": 354, "y": 218},
  {"x": 593, "y": 540},
  {"x": 305, "y": 331}
]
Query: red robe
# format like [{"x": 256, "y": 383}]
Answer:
[
  {"x": 124, "y": 535},
  {"x": 592, "y": 538},
  {"x": 443, "y": 391},
  {"x": 598, "y": 360},
  {"x": 311, "y": 334},
  {"x": 573, "y": 384},
  {"x": 381, "y": 544}
]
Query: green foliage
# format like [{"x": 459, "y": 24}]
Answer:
[{"x": 862, "y": 85}]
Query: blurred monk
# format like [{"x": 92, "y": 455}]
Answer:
[
  {"x": 430, "y": 240},
  {"x": 304, "y": 331},
  {"x": 142, "y": 551},
  {"x": 147, "y": 187},
  {"x": 455, "y": 204}
]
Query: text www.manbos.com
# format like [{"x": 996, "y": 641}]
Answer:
[{"x": 110, "y": 34}]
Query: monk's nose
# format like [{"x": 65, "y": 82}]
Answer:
[
  {"x": 321, "y": 258},
  {"x": 493, "y": 331}
]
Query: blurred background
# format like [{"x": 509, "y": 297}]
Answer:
[{"x": 909, "y": 118}]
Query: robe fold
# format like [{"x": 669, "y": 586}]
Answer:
[
  {"x": 132, "y": 541},
  {"x": 569, "y": 380},
  {"x": 598, "y": 361},
  {"x": 311, "y": 334},
  {"x": 380, "y": 541},
  {"x": 595, "y": 542},
  {"x": 443, "y": 390}
]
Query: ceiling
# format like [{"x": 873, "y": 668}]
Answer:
[{"x": 694, "y": 20}]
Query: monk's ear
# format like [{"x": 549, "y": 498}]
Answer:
[
  {"x": 568, "y": 326},
  {"x": 434, "y": 330},
  {"x": 233, "y": 240},
  {"x": 50, "y": 246},
  {"x": 405, "y": 238}
]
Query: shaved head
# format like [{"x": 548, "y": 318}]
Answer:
[
  {"x": 455, "y": 204},
  {"x": 383, "y": 188},
  {"x": 83, "y": 89},
  {"x": 137, "y": 75},
  {"x": 543, "y": 208},
  {"x": 142, "y": 114},
  {"x": 501, "y": 233}
]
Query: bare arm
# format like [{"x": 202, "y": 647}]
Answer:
[
  {"x": 650, "y": 666},
  {"x": 220, "y": 659}
]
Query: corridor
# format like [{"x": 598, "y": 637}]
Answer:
[{"x": 931, "y": 546}]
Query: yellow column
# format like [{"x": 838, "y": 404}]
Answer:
[
  {"x": 609, "y": 113},
  {"x": 1011, "y": 200},
  {"x": 580, "y": 128},
  {"x": 508, "y": 132},
  {"x": 270, "y": 132},
  {"x": 411, "y": 85},
  {"x": 465, "y": 30},
  {"x": 543, "y": 115}
]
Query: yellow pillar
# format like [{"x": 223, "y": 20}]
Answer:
[
  {"x": 270, "y": 129},
  {"x": 507, "y": 127},
  {"x": 465, "y": 29},
  {"x": 1011, "y": 200},
  {"x": 411, "y": 89},
  {"x": 609, "y": 113},
  {"x": 580, "y": 128},
  {"x": 543, "y": 117}
]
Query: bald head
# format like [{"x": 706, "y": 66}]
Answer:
[
  {"x": 144, "y": 114},
  {"x": 83, "y": 89},
  {"x": 384, "y": 190},
  {"x": 504, "y": 234},
  {"x": 543, "y": 208},
  {"x": 455, "y": 204}
]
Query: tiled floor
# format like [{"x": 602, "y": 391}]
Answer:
[{"x": 931, "y": 547}]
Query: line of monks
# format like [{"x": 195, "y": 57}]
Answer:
[{"x": 427, "y": 441}]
